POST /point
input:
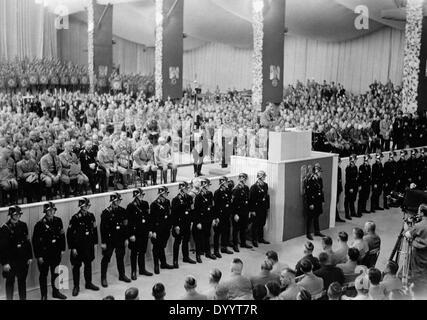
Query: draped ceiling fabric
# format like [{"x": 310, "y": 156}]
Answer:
[
  {"x": 26, "y": 30},
  {"x": 321, "y": 39}
]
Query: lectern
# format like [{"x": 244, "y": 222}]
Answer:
[{"x": 289, "y": 159}]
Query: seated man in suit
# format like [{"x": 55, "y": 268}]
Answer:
[
  {"x": 51, "y": 171},
  {"x": 310, "y": 281},
  {"x": 329, "y": 272},
  {"x": 72, "y": 170},
  {"x": 349, "y": 267},
  {"x": 239, "y": 287},
  {"x": 143, "y": 160},
  {"x": 265, "y": 275},
  {"x": 164, "y": 160}
]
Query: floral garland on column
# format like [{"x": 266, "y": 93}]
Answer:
[
  {"x": 411, "y": 60},
  {"x": 258, "y": 30},
  {"x": 159, "y": 50},
  {"x": 90, "y": 45}
]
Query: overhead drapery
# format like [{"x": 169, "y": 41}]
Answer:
[
  {"x": 354, "y": 63},
  {"x": 133, "y": 57},
  {"x": 27, "y": 29}
]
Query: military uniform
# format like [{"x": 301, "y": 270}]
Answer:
[
  {"x": 87, "y": 158},
  {"x": 144, "y": 160},
  {"x": 161, "y": 221},
  {"x": 106, "y": 160},
  {"x": 240, "y": 204},
  {"x": 401, "y": 174},
  {"x": 114, "y": 233},
  {"x": 377, "y": 183},
  {"x": 259, "y": 202},
  {"x": 123, "y": 153},
  {"x": 82, "y": 236},
  {"x": 314, "y": 201},
  {"x": 205, "y": 215},
  {"x": 71, "y": 171},
  {"x": 51, "y": 170},
  {"x": 8, "y": 181},
  {"x": 364, "y": 183},
  {"x": 15, "y": 251},
  {"x": 224, "y": 212},
  {"x": 139, "y": 227},
  {"x": 48, "y": 244},
  {"x": 182, "y": 217},
  {"x": 28, "y": 176},
  {"x": 351, "y": 185},
  {"x": 390, "y": 173}
]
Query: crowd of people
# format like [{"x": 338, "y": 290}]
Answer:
[{"x": 339, "y": 272}]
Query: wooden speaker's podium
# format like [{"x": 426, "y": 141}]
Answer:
[{"x": 289, "y": 159}]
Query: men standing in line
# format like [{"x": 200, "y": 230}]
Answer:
[
  {"x": 314, "y": 200},
  {"x": 377, "y": 183},
  {"x": 259, "y": 202},
  {"x": 204, "y": 206},
  {"x": 182, "y": 218},
  {"x": 240, "y": 206},
  {"x": 139, "y": 231},
  {"x": 161, "y": 222},
  {"x": 400, "y": 172},
  {"x": 82, "y": 236},
  {"x": 351, "y": 173},
  {"x": 364, "y": 182},
  {"x": 390, "y": 173},
  {"x": 223, "y": 211},
  {"x": 49, "y": 244},
  {"x": 114, "y": 235},
  {"x": 15, "y": 253}
]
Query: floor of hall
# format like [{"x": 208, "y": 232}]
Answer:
[{"x": 388, "y": 223}]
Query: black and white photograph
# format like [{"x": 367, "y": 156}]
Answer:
[{"x": 235, "y": 151}]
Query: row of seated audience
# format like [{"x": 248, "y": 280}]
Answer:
[{"x": 340, "y": 274}]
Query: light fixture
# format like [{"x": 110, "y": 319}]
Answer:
[{"x": 258, "y": 5}]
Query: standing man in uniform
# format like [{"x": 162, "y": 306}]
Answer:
[
  {"x": 240, "y": 206},
  {"x": 82, "y": 236},
  {"x": 339, "y": 191},
  {"x": 114, "y": 235},
  {"x": 204, "y": 206},
  {"x": 259, "y": 203},
  {"x": 223, "y": 211},
  {"x": 15, "y": 253},
  {"x": 49, "y": 245},
  {"x": 401, "y": 173},
  {"x": 377, "y": 183},
  {"x": 182, "y": 216},
  {"x": 139, "y": 231},
  {"x": 364, "y": 182},
  {"x": 314, "y": 200},
  {"x": 161, "y": 221},
  {"x": 390, "y": 173}
]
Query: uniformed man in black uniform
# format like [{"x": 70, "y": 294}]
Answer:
[
  {"x": 204, "y": 211},
  {"x": 241, "y": 212},
  {"x": 114, "y": 235},
  {"x": 364, "y": 183},
  {"x": 412, "y": 166},
  {"x": 140, "y": 230},
  {"x": 82, "y": 236},
  {"x": 182, "y": 216},
  {"x": 259, "y": 203},
  {"x": 339, "y": 191},
  {"x": 49, "y": 244},
  {"x": 423, "y": 170},
  {"x": 390, "y": 173},
  {"x": 351, "y": 173},
  {"x": 377, "y": 182},
  {"x": 314, "y": 201},
  {"x": 418, "y": 172},
  {"x": 161, "y": 221},
  {"x": 401, "y": 176},
  {"x": 15, "y": 253},
  {"x": 223, "y": 212}
]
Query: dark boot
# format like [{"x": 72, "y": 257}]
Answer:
[
  {"x": 58, "y": 295},
  {"x": 156, "y": 263},
  {"x": 165, "y": 176},
  {"x": 154, "y": 177},
  {"x": 174, "y": 173},
  {"x": 104, "y": 267},
  {"x": 195, "y": 170},
  {"x": 141, "y": 266},
  {"x": 198, "y": 259}
]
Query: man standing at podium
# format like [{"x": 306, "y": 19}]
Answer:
[{"x": 314, "y": 199}]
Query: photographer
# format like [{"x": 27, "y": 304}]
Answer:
[{"x": 418, "y": 235}]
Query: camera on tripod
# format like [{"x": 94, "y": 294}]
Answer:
[{"x": 409, "y": 202}]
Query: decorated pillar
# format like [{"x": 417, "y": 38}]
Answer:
[
  {"x": 422, "y": 79},
  {"x": 100, "y": 44},
  {"x": 268, "y": 23},
  {"x": 411, "y": 60},
  {"x": 169, "y": 48}
]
